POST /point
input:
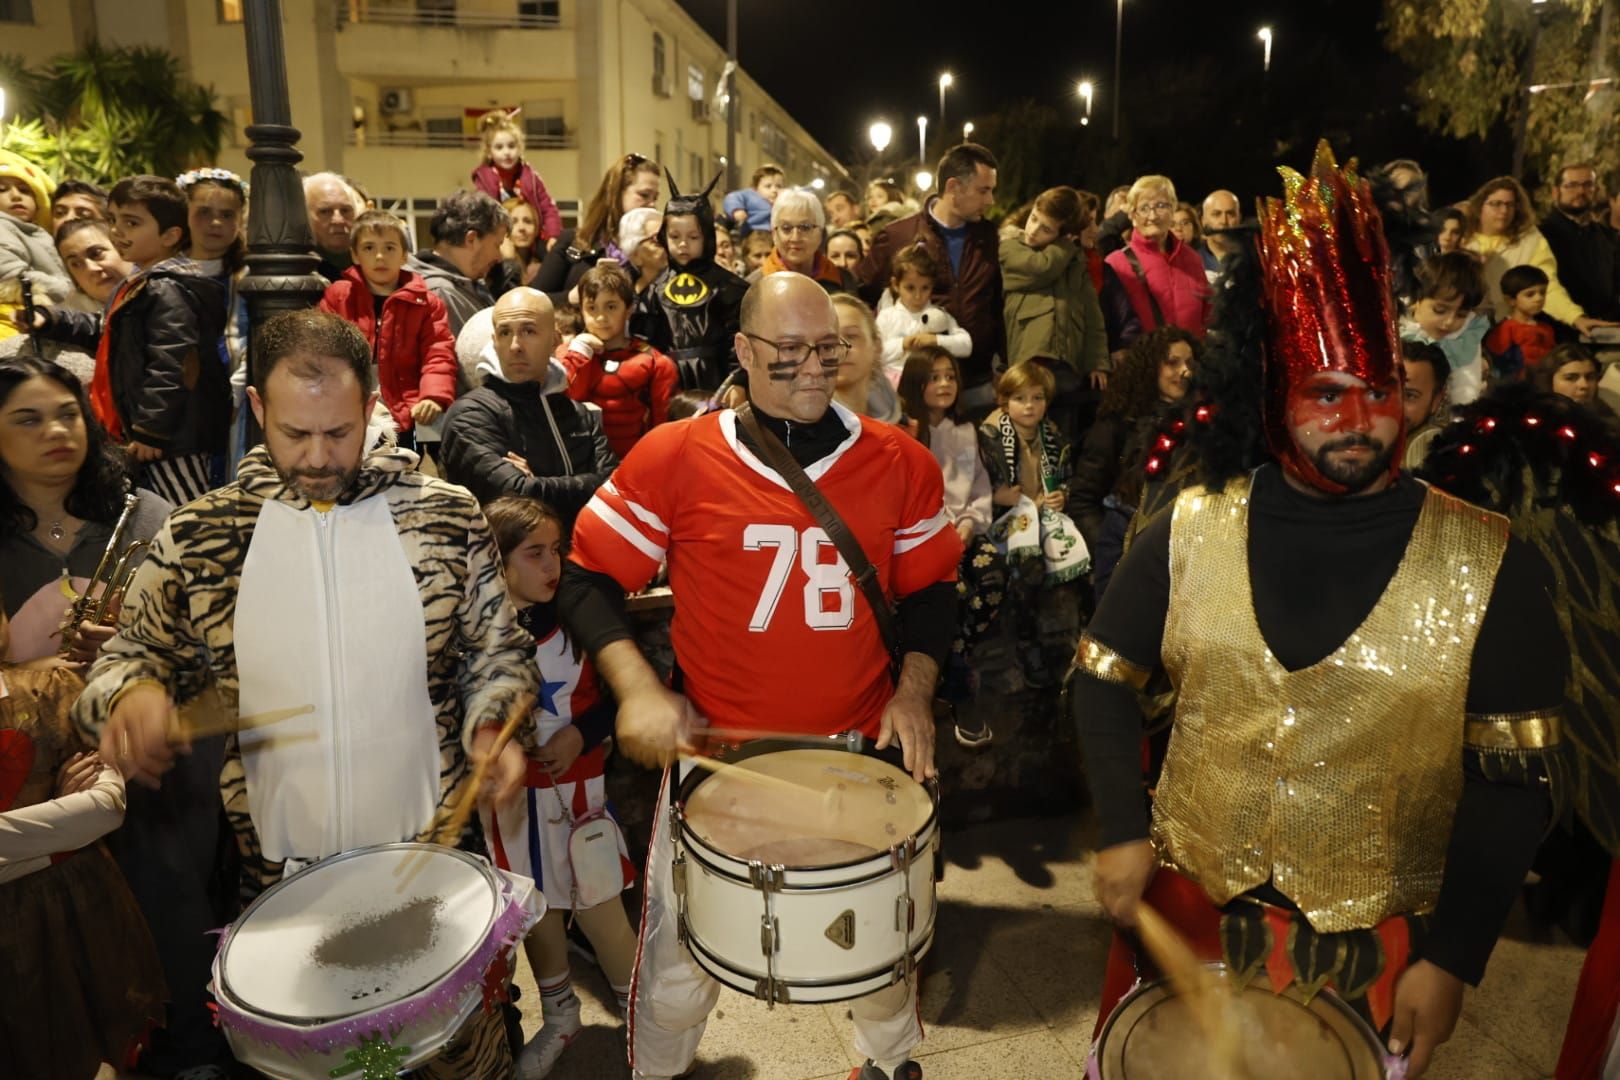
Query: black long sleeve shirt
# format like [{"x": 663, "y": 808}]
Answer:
[{"x": 1317, "y": 567}]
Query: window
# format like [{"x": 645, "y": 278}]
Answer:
[
  {"x": 543, "y": 11},
  {"x": 694, "y": 82},
  {"x": 660, "y": 66},
  {"x": 698, "y": 174},
  {"x": 543, "y": 122},
  {"x": 229, "y": 10}
]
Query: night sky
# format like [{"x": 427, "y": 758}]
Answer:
[{"x": 1195, "y": 103}]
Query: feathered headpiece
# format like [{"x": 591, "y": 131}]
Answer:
[{"x": 1326, "y": 293}]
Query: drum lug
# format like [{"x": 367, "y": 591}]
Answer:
[
  {"x": 768, "y": 989},
  {"x": 905, "y": 914},
  {"x": 677, "y": 873},
  {"x": 766, "y": 878}
]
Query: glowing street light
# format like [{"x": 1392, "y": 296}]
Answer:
[
  {"x": 880, "y": 134},
  {"x": 924, "y": 179},
  {"x": 922, "y": 139},
  {"x": 1086, "y": 92},
  {"x": 1265, "y": 36},
  {"x": 945, "y": 83},
  {"x": 818, "y": 183},
  {"x": 967, "y": 131}
]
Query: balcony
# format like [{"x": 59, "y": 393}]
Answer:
[
  {"x": 447, "y": 13},
  {"x": 454, "y": 140},
  {"x": 401, "y": 43}
]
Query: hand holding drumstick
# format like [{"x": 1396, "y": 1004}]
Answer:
[{"x": 146, "y": 730}]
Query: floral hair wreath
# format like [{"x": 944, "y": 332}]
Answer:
[{"x": 219, "y": 176}]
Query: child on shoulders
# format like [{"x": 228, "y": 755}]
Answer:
[
  {"x": 27, "y": 252},
  {"x": 750, "y": 208},
  {"x": 503, "y": 174}
]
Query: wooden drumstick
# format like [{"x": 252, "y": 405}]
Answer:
[
  {"x": 1206, "y": 995},
  {"x": 203, "y": 723},
  {"x": 727, "y": 768},
  {"x": 456, "y": 820}
]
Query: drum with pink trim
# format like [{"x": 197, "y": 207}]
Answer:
[
  {"x": 1155, "y": 1033},
  {"x": 369, "y": 962}
]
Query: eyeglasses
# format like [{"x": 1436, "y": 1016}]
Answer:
[
  {"x": 795, "y": 353},
  {"x": 1155, "y": 208},
  {"x": 1499, "y": 204},
  {"x": 1578, "y": 185},
  {"x": 797, "y": 230}
]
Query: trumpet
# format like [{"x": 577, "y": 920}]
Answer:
[{"x": 114, "y": 573}]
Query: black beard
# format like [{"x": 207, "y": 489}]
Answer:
[
  {"x": 1576, "y": 211},
  {"x": 300, "y": 479},
  {"x": 1351, "y": 476}
]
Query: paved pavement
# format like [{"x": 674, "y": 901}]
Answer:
[{"x": 1010, "y": 990}]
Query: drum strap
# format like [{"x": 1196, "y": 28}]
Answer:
[{"x": 860, "y": 567}]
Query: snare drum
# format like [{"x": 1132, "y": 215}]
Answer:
[
  {"x": 822, "y": 896},
  {"x": 1154, "y": 1034},
  {"x": 334, "y": 963}
]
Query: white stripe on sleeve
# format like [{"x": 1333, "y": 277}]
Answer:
[
  {"x": 632, "y": 535},
  {"x": 916, "y": 535}
]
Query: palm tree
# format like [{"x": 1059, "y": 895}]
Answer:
[{"x": 105, "y": 113}]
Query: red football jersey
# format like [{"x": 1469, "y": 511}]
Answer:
[{"x": 770, "y": 630}]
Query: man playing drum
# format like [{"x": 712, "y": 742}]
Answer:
[
  {"x": 333, "y": 575},
  {"x": 770, "y": 632},
  {"x": 1369, "y": 672}
]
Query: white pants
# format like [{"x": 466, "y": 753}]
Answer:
[{"x": 671, "y": 996}]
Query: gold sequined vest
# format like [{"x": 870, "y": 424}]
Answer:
[{"x": 1338, "y": 782}]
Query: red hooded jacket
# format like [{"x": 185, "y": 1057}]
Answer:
[{"x": 413, "y": 348}]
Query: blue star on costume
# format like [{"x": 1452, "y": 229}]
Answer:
[{"x": 548, "y": 698}]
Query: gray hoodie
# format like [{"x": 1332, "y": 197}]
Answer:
[{"x": 28, "y": 254}]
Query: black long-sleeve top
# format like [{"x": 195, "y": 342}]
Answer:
[{"x": 1317, "y": 567}]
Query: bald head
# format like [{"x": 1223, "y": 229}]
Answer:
[
  {"x": 1221, "y": 211},
  {"x": 525, "y": 334},
  {"x": 333, "y": 205},
  {"x": 788, "y": 311}
]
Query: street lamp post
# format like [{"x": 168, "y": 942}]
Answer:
[
  {"x": 732, "y": 115},
  {"x": 281, "y": 256},
  {"x": 1265, "y": 37},
  {"x": 967, "y": 131},
  {"x": 880, "y": 134},
  {"x": 945, "y": 83},
  {"x": 1119, "y": 53},
  {"x": 922, "y": 141},
  {"x": 1086, "y": 91}
]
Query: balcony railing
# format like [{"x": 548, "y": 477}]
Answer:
[
  {"x": 452, "y": 140},
  {"x": 446, "y": 15}
]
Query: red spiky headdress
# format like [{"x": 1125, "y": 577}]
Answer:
[{"x": 1326, "y": 294}]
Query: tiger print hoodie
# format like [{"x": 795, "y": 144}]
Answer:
[{"x": 386, "y": 611}]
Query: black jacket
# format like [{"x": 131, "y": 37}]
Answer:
[
  {"x": 561, "y": 439},
  {"x": 691, "y": 314},
  {"x": 1588, "y": 262},
  {"x": 1110, "y": 463},
  {"x": 169, "y": 383},
  {"x": 563, "y": 266}
]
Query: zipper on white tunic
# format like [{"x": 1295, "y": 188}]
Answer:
[{"x": 334, "y": 631}]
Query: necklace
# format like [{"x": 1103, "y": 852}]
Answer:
[{"x": 57, "y": 531}]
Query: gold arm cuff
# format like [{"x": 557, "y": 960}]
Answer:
[
  {"x": 1101, "y": 662},
  {"x": 1541, "y": 730}
]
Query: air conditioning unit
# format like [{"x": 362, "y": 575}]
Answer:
[
  {"x": 395, "y": 101},
  {"x": 702, "y": 112}
]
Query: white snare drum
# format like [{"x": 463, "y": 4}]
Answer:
[
  {"x": 336, "y": 961},
  {"x": 821, "y": 896},
  {"x": 1153, "y": 1034}
]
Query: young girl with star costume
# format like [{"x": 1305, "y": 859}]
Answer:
[{"x": 565, "y": 785}]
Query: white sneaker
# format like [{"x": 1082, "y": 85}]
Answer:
[{"x": 541, "y": 1052}]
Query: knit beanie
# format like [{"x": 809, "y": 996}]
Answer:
[{"x": 32, "y": 175}]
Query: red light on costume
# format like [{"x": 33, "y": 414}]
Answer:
[
  {"x": 1153, "y": 466},
  {"x": 1178, "y": 427},
  {"x": 1488, "y": 424},
  {"x": 1595, "y": 460},
  {"x": 1166, "y": 443},
  {"x": 1465, "y": 449},
  {"x": 1203, "y": 413},
  {"x": 1567, "y": 432},
  {"x": 1532, "y": 420}
]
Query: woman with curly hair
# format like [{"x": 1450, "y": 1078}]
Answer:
[{"x": 1108, "y": 476}]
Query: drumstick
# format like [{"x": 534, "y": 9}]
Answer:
[
  {"x": 1205, "y": 994},
  {"x": 456, "y": 820},
  {"x": 202, "y": 723},
  {"x": 727, "y": 768}
]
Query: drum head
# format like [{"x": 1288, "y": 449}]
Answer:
[
  {"x": 337, "y": 939},
  {"x": 1154, "y": 1034},
  {"x": 851, "y": 808}
]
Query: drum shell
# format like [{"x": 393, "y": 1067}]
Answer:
[
  {"x": 725, "y": 930},
  {"x": 813, "y": 912}
]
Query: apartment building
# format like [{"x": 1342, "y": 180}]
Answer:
[{"x": 389, "y": 92}]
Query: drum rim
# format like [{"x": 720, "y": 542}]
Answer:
[
  {"x": 1292, "y": 992},
  {"x": 759, "y": 747},
  {"x": 882, "y": 864},
  {"x": 239, "y": 1005}
]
